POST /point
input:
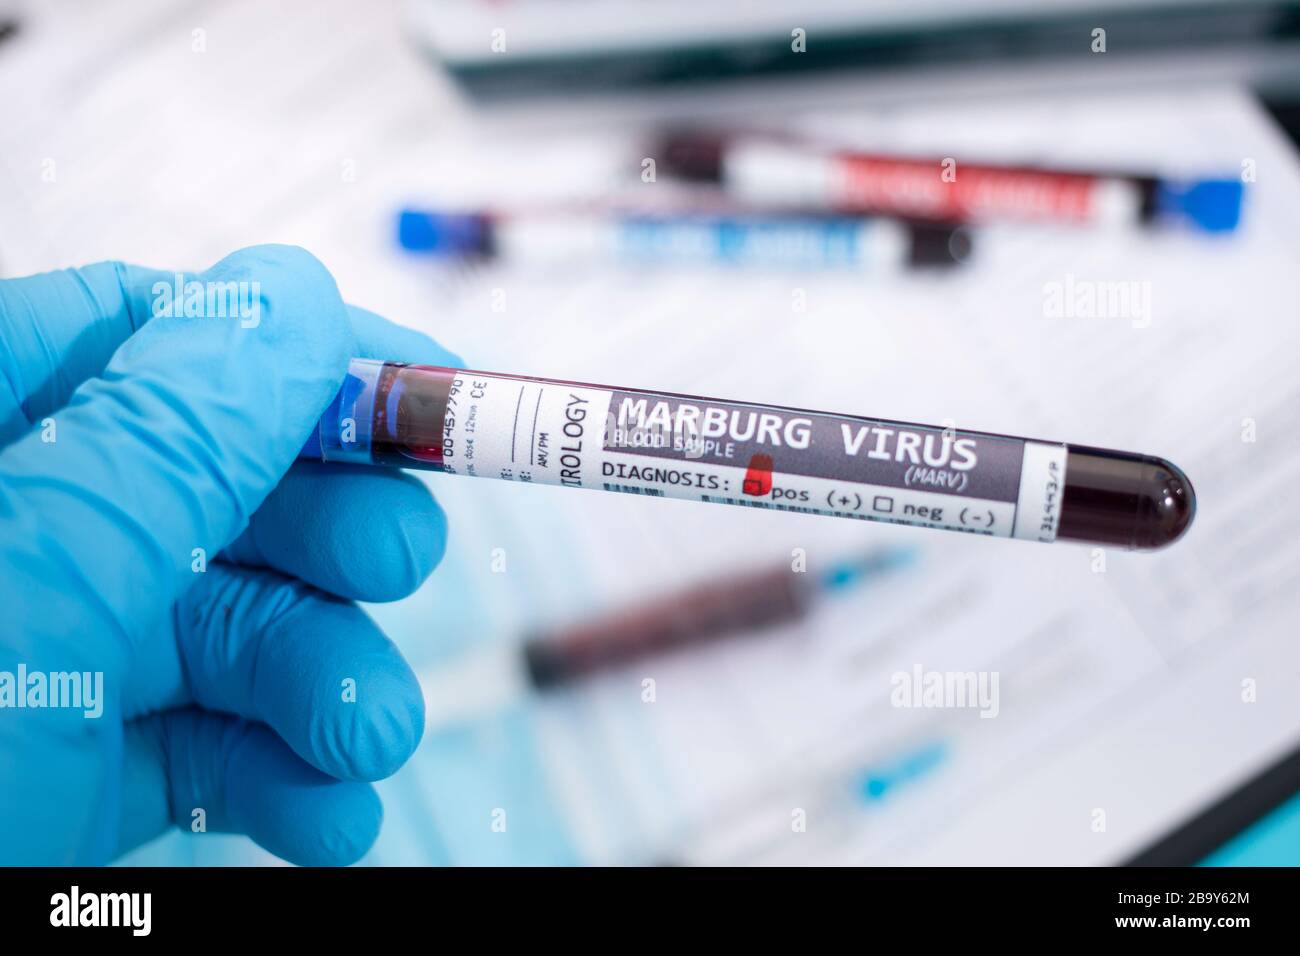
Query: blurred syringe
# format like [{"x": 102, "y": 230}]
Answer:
[{"x": 488, "y": 679}]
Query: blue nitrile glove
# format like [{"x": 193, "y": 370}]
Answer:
[{"x": 246, "y": 693}]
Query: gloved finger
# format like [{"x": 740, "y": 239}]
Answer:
[
  {"x": 59, "y": 329},
  {"x": 315, "y": 668},
  {"x": 378, "y": 338},
  {"x": 365, "y": 534},
  {"x": 321, "y": 522},
  {"x": 59, "y": 792},
  {"x": 168, "y": 454},
  {"x": 210, "y": 772}
]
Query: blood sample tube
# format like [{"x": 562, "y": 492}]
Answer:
[
  {"x": 743, "y": 239},
  {"x": 778, "y": 173},
  {"x": 666, "y": 445}
]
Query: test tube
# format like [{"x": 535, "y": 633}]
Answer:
[
  {"x": 742, "y": 239},
  {"x": 667, "y": 445},
  {"x": 779, "y": 173}
]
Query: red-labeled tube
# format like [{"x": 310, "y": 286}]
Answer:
[{"x": 775, "y": 173}]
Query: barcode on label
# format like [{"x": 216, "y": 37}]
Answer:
[
  {"x": 634, "y": 490},
  {"x": 762, "y": 503}
]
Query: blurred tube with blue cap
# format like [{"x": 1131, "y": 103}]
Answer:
[
  {"x": 789, "y": 174},
  {"x": 753, "y": 239}
]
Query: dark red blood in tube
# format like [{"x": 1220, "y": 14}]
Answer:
[
  {"x": 1119, "y": 498},
  {"x": 411, "y": 407}
]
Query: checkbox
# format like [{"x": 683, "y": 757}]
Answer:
[{"x": 882, "y": 503}]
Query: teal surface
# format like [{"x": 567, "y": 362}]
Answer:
[{"x": 1273, "y": 840}]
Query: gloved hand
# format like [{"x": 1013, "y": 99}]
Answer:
[{"x": 155, "y": 530}]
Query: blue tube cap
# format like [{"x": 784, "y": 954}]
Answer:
[
  {"x": 312, "y": 449},
  {"x": 1214, "y": 205},
  {"x": 444, "y": 234}
]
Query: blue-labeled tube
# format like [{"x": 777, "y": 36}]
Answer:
[{"x": 745, "y": 240}]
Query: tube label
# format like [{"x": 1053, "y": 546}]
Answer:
[
  {"x": 674, "y": 446},
  {"x": 924, "y": 188}
]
